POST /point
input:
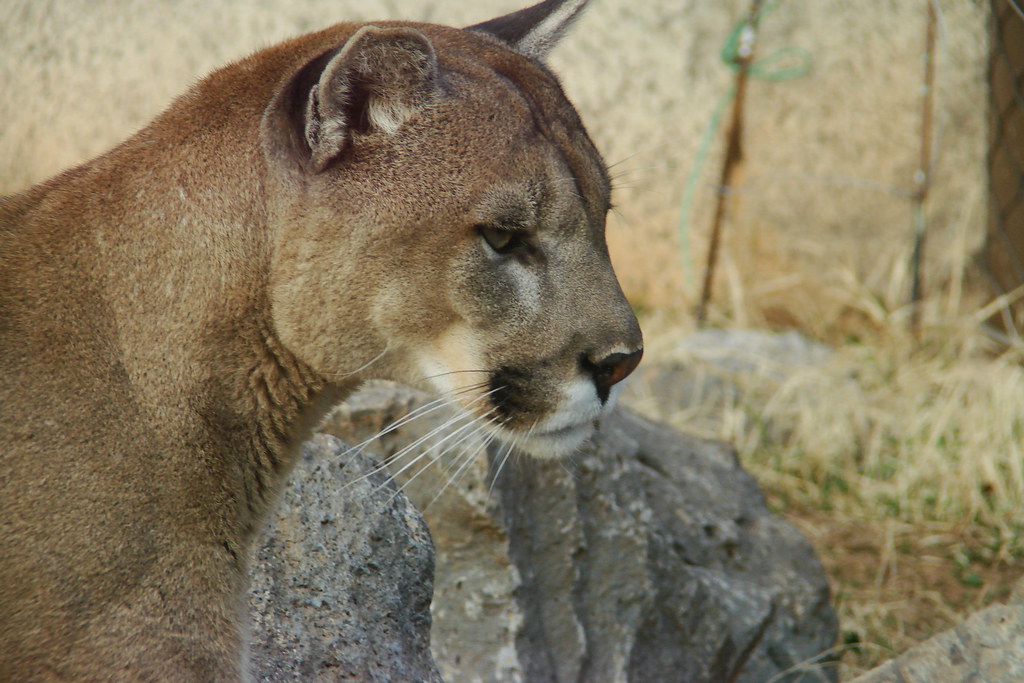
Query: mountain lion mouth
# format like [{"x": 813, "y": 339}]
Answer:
[
  {"x": 554, "y": 443},
  {"x": 544, "y": 423}
]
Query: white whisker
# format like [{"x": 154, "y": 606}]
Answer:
[
  {"x": 417, "y": 413},
  {"x": 455, "y": 431},
  {"x": 480, "y": 427},
  {"x": 462, "y": 415},
  {"x": 337, "y": 376},
  {"x": 458, "y": 372},
  {"x": 413, "y": 414},
  {"x": 447, "y": 424},
  {"x": 401, "y": 453},
  {"x": 502, "y": 459},
  {"x": 476, "y": 427},
  {"x": 466, "y": 461}
]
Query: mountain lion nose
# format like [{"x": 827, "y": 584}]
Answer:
[{"x": 611, "y": 370}]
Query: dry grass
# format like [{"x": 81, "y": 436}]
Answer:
[{"x": 904, "y": 466}]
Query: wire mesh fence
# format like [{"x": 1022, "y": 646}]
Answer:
[{"x": 1003, "y": 252}]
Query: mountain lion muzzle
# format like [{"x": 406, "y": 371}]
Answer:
[{"x": 400, "y": 201}]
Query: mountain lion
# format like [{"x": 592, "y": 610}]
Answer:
[{"x": 400, "y": 201}]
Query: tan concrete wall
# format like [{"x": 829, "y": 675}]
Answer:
[{"x": 79, "y": 75}]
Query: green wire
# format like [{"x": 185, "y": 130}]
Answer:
[{"x": 796, "y": 63}]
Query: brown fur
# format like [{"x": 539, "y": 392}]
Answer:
[{"x": 177, "y": 314}]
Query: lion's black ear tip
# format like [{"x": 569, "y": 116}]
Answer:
[{"x": 535, "y": 30}]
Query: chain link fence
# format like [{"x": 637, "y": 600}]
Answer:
[{"x": 1003, "y": 252}]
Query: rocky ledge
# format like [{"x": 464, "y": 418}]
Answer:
[{"x": 648, "y": 556}]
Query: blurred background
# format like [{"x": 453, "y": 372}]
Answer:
[{"x": 870, "y": 256}]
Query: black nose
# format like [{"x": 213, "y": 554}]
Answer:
[{"x": 612, "y": 369}]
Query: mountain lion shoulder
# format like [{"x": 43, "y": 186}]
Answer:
[{"x": 401, "y": 201}]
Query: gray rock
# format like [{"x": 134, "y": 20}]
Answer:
[
  {"x": 986, "y": 648},
  {"x": 750, "y": 351},
  {"x": 341, "y": 587},
  {"x": 712, "y": 369},
  {"x": 649, "y": 556}
]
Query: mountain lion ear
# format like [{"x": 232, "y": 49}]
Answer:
[
  {"x": 374, "y": 83},
  {"x": 535, "y": 30}
]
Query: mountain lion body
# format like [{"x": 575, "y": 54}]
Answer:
[{"x": 400, "y": 201}]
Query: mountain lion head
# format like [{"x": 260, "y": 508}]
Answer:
[{"x": 441, "y": 218}]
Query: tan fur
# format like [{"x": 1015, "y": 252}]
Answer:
[{"x": 177, "y": 315}]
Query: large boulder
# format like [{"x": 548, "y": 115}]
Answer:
[
  {"x": 648, "y": 556},
  {"x": 341, "y": 587}
]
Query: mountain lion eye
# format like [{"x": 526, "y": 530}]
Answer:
[{"x": 501, "y": 241}]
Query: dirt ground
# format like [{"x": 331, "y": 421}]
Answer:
[{"x": 895, "y": 584}]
